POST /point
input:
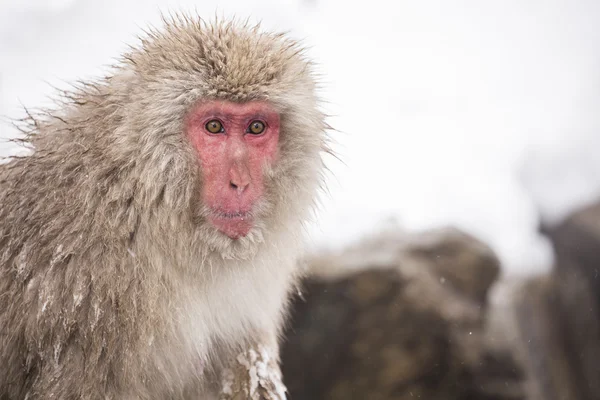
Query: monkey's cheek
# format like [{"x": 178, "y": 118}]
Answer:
[{"x": 234, "y": 228}]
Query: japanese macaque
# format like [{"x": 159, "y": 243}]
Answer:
[{"x": 148, "y": 241}]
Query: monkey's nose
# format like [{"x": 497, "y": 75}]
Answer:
[
  {"x": 240, "y": 187},
  {"x": 239, "y": 178}
]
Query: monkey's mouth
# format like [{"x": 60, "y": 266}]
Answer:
[
  {"x": 232, "y": 215},
  {"x": 234, "y": 224}
]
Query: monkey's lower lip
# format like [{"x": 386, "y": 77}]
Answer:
[
  {"x": 233, "y": 224},
  {"x": 232, "y": 215}
]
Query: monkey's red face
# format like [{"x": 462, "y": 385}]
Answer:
[{"x": 235, "y": 142}]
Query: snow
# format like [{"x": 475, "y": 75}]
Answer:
[
  {"x": 478, "y": 114},
  {"x": 249, "y": 362},
  {"x": 58, "y": 256},
  {"x": 227, "y": 382},
  {"x": 261, "y": 372},
  {"x": 268, "y": 371},
  {"x": 45, "y": 305}
]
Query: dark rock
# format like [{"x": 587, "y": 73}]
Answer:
[
  {"x": 559, "y": 315},
  {"x": 576, "y": 244},
  {"x": 398, "y": 317},
  {"x": 468, "y": 264}
]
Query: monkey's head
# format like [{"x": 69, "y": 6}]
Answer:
[{"x": 224, "y": 119}]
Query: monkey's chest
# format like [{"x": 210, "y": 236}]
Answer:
[{"x": 216, "y": 319}]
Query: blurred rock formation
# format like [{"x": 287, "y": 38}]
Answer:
[
  {"x": 400, "y": 317},
  {"x": 559, "y": 315}
]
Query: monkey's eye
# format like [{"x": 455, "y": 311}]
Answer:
[
  {"x": 214, "y": 126},
  {"x": 256, "y": 127}
]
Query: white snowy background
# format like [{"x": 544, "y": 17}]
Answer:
[{"x": 481, "y": 114}]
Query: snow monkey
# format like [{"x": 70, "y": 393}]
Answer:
[{"x": 148, "y": 239}]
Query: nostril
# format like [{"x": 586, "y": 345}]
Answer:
[{"x": 238, "y": 187}]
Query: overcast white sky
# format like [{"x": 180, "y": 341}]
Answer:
[{"x": 479, "y": 114}]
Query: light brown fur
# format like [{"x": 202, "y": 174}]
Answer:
[{"x": 112, "y": 284}]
